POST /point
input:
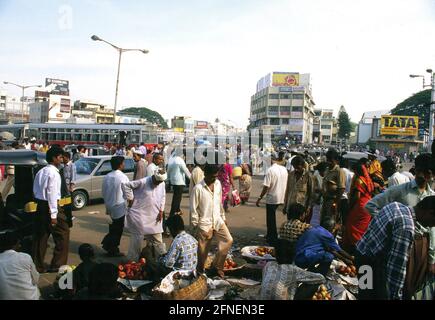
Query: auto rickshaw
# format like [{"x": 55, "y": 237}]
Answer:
[{"x": 18, "y": 209}]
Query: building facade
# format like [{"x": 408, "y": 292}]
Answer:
[
  {"x": 12, "y": 109},
  {"x": 364, "y": 128},
  {"x": 283, "y": 104}
]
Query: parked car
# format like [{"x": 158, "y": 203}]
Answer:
[
  {"x": 354, "y": 156},
  {"x": 90, "y": 175}
]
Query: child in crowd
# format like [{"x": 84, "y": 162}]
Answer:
[{"x": 81, "y": 273}]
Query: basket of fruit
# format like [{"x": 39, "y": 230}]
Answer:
[
  {"x": 231, "y": 263},
  {"x": 259, "y": 253},
  {"x": 322, "y": 294},
  {"x": 133, "y": 270}
]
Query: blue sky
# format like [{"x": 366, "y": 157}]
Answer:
[{"x": 206, "y": 56}]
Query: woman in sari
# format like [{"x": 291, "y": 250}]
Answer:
[
  {"x": 361, "y": 192},
  {"x": 245, "y": 183},
  {"x": 225, "y": 176}
]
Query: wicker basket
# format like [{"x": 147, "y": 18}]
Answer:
[{"x": 198, "y": 290}]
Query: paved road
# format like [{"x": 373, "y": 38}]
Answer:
[{"x": 246, "y": 223}]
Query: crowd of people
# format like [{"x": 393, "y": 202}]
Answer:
[
  {"x": 369, "y": 214},
  {"x": 363, "y": 212}
]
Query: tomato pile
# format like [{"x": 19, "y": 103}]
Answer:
[
  {"x": 347, "y": 270},
  {"x": 230, "y": 264},
  {"x": 132, "y": 270}
]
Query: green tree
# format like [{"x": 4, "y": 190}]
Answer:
[
  {"x": 416, "y": 105},
  {"x": 344, "y": 125},
  {"x": 145, "y": 113}
]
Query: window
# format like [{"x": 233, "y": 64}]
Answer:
[
  {"x": 285, "y": 121},
  {"x": 86, "y": 165},
  {"x": 273, "y": 108},
  {"x": 326, "y": 126},
  {"x": 273, "y": 96},
  {"x": 274, "y": 121},
  {"x": 285, "y": 110},
  {"x": 284, "y": 96},
  {"x": 298, "y": 96},
  {"x": 105, "y": 168},
  {"x": 297, "y": 109},
  {"x": 128, "y": 166}
]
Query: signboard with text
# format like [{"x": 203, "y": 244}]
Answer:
[
  {"x": 57, "y": 86},
  {"x": 399, "y": 125}
]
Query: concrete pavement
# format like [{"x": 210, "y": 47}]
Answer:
[{"x": 245, "y": 222}]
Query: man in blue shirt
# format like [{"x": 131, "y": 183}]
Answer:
[
  {"x": 183, "y": 253},
  {"x": 317, "y": 246}
]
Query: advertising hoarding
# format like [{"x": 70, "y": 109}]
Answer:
[
  {"x": 59, "y": 108},
  {"x": 57, "y": 86},
  {"x": 201, "y": 124},
  {"x": 399, "y": 125},
  {"x": 285, "y": 79}
]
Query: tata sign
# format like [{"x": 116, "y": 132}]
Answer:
[
  {"x": 57, "y": 86},
  {"x": 399, "y": 125}
]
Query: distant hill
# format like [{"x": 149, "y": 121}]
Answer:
[{"x": 145, "y": 113}]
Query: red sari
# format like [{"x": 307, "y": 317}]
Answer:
[{"x": 359, "y": 218}]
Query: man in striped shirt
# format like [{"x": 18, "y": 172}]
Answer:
[{"x": 385, "y": 246}]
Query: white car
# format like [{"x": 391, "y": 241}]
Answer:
[{"x": 90, "y": 175}]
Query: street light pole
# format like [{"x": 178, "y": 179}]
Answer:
[
  {"x": 432, "y": 103},
  {"x": 120, "y": 51},
  {"x": 432, "y": 109},
  {"x": 117, "y": 85},
  {"x": 22, "y": 95}
]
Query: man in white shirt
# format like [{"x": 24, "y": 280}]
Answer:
[
  {"x": 390, "y": 172},
  {"x": 116, "y": 206},
  {"x": 157, "y": 163},
  {"x": 18, "y": 275},
  {"x": 274, "y": 185},
  {"x": 143, "y": 149},
  {"x": 27, "y": 144},
  {"x": 50, "y": 218},
  {"x": 146, "y": 198},
  {"x": 208, "y": 219}
]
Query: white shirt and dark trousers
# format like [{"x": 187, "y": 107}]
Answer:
[
  {"x": 47, "y": 192},
  {"x": 276, "y": 180},
  {"x": 116, "y": 207}
]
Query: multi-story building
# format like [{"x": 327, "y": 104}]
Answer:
[
  {"x": 100, "y": 112},
  {"x": 325, "y": 127},
  {"x": 183, "y": 124},
  {"x": 53, "y": 109},
  {"x": 14, "y": 109},
  {"x": 283, "y": 104}
]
